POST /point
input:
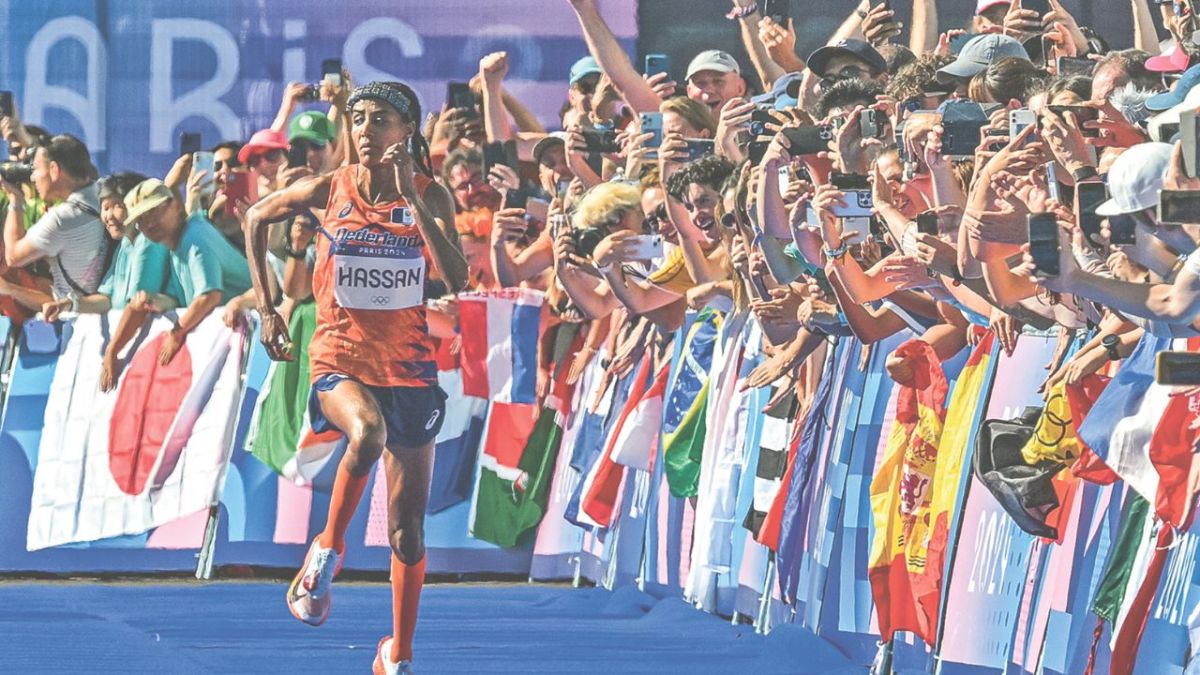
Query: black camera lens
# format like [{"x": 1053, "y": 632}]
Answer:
[{"x": 16, "y": 172}]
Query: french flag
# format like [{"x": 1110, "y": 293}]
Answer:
[{"x": 500, "y": 331}]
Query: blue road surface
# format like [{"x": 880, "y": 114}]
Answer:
[{"x": 244, "y": 627}]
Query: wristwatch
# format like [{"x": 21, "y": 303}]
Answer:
[
  {"x": 1110, "y": 343},
  {"x": 1084, "y": 173}
]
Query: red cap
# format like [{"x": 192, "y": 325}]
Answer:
[
  {"x": 984, "y": 5},
  {"x": 262, "y": 141},
  {"x": 1174, "y": 61}
]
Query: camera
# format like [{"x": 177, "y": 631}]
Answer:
[
  {"x": 312, "y": 94},
  {"x": 16, "y": 172},
  {"x": 586, "y": 239}
]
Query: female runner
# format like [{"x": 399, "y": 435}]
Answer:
[{"x": 373, "y": 371}]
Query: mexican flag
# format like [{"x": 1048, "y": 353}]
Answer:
[
  {"x": 280, "y": 433},
  {"x": 151, "y": 451}
]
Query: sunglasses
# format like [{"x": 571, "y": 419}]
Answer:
[{"x": 656, "y": 218}]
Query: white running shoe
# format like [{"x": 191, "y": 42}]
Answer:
[
  {"x": 311, "y": 594},
  {"x": 383, "y": 662}
]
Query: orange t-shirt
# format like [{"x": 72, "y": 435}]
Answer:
[{"x": 369, "y": 281}]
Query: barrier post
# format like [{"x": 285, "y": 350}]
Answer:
[
  {"x": 762, "y": 624},
  {"x": 204, "y": 560}
]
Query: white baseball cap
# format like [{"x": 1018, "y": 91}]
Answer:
[
  {"x": 1136, "y": 178},
  {"x": 984, "y": 5},
  {"x": 713, "y": 59}
]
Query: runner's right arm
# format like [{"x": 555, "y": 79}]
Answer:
[{"x": 287, "y": 203}]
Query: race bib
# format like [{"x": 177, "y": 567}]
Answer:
[{"x": 379, "y": 279}]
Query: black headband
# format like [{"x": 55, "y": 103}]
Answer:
[{"x": 382, "y": 92}]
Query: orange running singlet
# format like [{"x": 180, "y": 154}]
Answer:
[{"x": 369, "y": 284}]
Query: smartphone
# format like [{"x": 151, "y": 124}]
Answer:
[
  {"x": 1043, "y": 243},
  {"x": 1179, "y": 207},
  {"x": 297, "y": 155},
  {"x": 1089, "y": 195},
  {"x": 1018, "y": 120},
  {"x": 1177, "y": 369},
  {"x": 601, "y": 141},
  {"x": 1122, "y": 230},
  {"x": 778, "y": 11},
  {"x": 189, "y": 143},
  {"x": 331, "y": 71},
  {"x": 856, "y": 229},
  {"x": 459, "y": 95},
  {"x": 1082, "y": 114},
  {"x": 1072, "y": 67},
  {"x": 242, "y": 186},
  {"x": 537, "y": 209},
  {"x": 657, "y": 63},
  {"x": 784, "y": 179},
  {"x": 1189, "y": 134},
  {"x": 515, "y": 199},
  {"x": 699, "y": 147},
  {"x": 1042, "y": 7},
  {"x": 6, "y": 104},
  {"x": 808, "y": 140},
  {"x": 759, "y": 120},
  {"x": 652, "y": 123},
  {"x": 756, "y": 150},
  {"x": 203, "y": 161},
  {"x": 647, "y": 247},
  {"x": 963, "y": 123},
  {"x": 858, "y": 195},
  {"x": 1053, "y": 187},
  {"x": 499, "y": 153},
  {"x": 872, "y": 123},
  {"x": 1047, "y": 47},
  {"x": 927, "y": 223}
]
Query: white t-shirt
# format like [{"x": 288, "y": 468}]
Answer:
[{"x": 72, "y": 239}]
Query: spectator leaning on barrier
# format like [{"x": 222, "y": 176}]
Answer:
[
  {"x": 206, "y": 270},
  {"x": 138, "y": 264},
  {"x": 70, "y": 235}
]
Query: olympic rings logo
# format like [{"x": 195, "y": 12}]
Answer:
[{"x": 381, "y": 300}]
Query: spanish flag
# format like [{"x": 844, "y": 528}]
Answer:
[{"x": 901, "y": 493}]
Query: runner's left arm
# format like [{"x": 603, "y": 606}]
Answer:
[{"x": 433, "y": 211}]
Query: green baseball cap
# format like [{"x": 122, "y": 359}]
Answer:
[{"x": 311, "y": 126}]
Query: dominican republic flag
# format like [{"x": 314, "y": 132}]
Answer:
[
  {"x": 151, "y": 451},
  {"x": 901, "y": 493},
  {"x": 500, "y": 331}
]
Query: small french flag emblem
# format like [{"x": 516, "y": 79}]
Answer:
[{"x": 402, "y": 215}]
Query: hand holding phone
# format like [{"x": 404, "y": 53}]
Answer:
[
  {"x": 657, "y": 63},
  {"x": 460, "y": 96},
  {"x": 242, "y": 187},
  {"x": 652, "y": 123},
  {"x": 331, "y": 71},
  {"x": 1043, "y": 243},
  {"x": 646, "y": 247}
]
